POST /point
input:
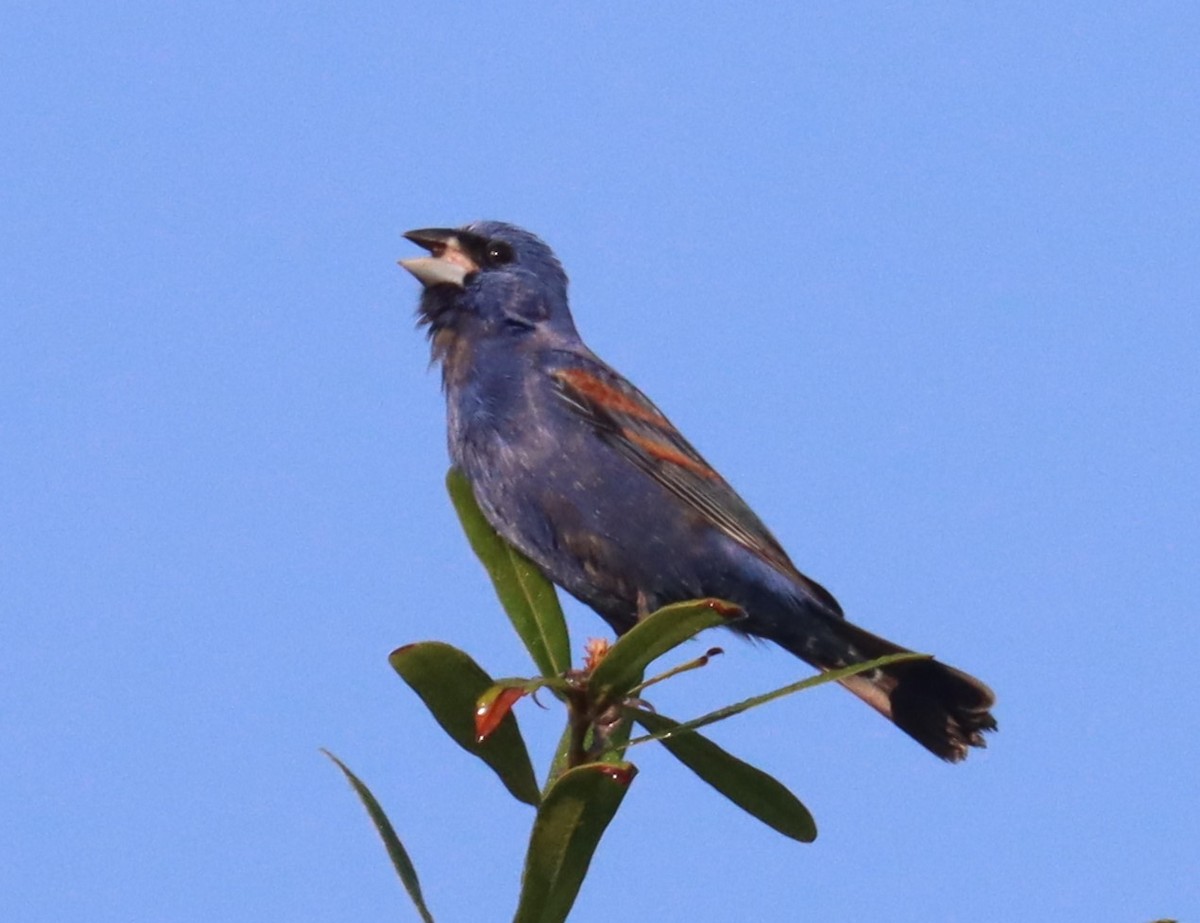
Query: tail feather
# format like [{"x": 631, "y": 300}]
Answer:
[{"x": 945, "y": 710}]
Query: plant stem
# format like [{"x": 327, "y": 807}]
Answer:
[{"x": 577, "y": 714}]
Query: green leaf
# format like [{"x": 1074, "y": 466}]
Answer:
[
  {"x": 625, "y": 663},
  {"x": 572, "y": 818},
  {"x": 751, "y": 789},
  {"x": 737, "y": 708},
  {"x": 527, "y": 596},
  {"x": 387, "y": 833},
  {"x": 558, "y": 765},
  {"x": 450, "y": 683},
  {"x": 687, "y": 667}
]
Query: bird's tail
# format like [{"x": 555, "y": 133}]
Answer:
[{"x": 943, "y": 709}]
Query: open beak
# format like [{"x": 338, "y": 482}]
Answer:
[{"x": 449, "y": 264}]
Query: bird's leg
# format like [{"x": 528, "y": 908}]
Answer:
[
  {"x": 609, "y": 731},
  {"x": 609, "y": 726}
]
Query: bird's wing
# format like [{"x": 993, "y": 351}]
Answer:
[{"x": 627, "y": 420}]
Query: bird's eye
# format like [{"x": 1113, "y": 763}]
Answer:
[{"x": 498, "y": 253}]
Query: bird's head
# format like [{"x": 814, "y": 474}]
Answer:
[{"x": 488, "y": 280}]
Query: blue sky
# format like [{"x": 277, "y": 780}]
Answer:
[{"x": 921, "y": 281}]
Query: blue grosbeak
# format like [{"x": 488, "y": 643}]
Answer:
[{"x": 576, "y": 468}]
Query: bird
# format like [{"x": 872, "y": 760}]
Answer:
[{"x": 579, "y": 471}]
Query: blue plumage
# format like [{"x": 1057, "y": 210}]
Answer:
[{"x": 578, "y": 469}]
